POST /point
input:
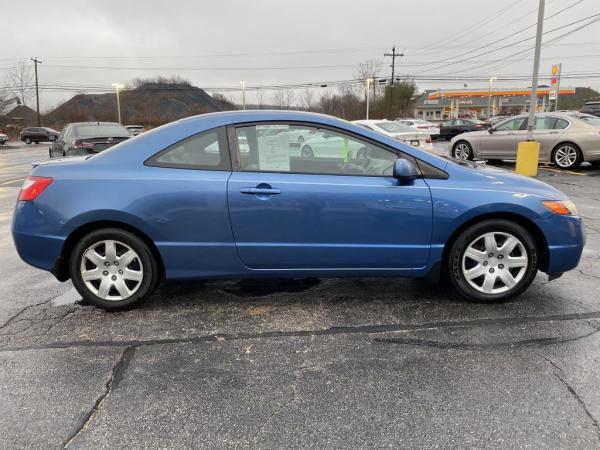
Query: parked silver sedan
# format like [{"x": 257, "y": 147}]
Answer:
[{"x": 565, "y": 140}]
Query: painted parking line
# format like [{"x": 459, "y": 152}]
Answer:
[
  {"x": 12, "y": 181},
  {"x": 565, "y": 171}
]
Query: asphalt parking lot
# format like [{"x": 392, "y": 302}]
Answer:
[{"x": 345, "y": 363}]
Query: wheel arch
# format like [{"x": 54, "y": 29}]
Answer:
[
  {"x": 61, "y": 268},
  {"x": 536, "y": 233}
]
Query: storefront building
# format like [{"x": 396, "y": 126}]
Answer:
[{"x": 444, "y": 104}]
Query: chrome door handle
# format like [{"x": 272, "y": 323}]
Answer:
[{"x": 260, "y": 191}]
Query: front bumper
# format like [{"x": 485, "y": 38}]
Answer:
[{"x": 565, "y": 243}]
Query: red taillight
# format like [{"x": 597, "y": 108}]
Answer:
[
  {"x": 478, "y": 125},
  {"x": 423, "y": 127},
  {"x": 33, "y": 187},
  {"x": 428, "y": 140},
  {"x": 79, "y": 144}
]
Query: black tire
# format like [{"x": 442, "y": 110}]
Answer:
[
  {"x": 571, "y": 147},
  {"x": 307, "y": 152},
  {"x": 148, "y": 284},
  {"x": 27, "y": 140},
  {"x": 462, "y": 146},
  {"x": 471, "y": 234},
  {"x": 50, "y": 153}
]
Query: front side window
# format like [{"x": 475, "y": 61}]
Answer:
[
  {"x": 310, "y": 150},
  {"x": 511, "y": 125},
  {"x": 206, "y": 150}
]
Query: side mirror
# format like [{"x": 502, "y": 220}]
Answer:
[{"x": 405, "y": 170}]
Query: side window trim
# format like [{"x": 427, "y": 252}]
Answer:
[
  {"x": 234, "y": 150},
  {"x": 224, "y": 153}
]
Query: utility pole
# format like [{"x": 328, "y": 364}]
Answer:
[
  {"x": 536, "y": 70},
  {"x": 37, "y": 92},
  {"x": 393, "y": 55},
  {"x": 528, "y": 152},
  {"x": 368, "y": 82}
]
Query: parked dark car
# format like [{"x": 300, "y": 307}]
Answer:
[
  {"x": 454, "y": 127},
  {"x": 592, "y": 108},
  {"x": 38, "y": 134},
  {"x": 86, "y": 138}
]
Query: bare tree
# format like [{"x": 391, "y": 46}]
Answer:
[
  {"x": 307, "y": 99},
  {"x": 259, "y": 97},
  {"x": 279, "y": 98},
  {"x": 20, "y": 80},
  {"x": 6, "y": 98},
  {"x": 289, "y": 97},
  {"x": 370, "y": 68}
]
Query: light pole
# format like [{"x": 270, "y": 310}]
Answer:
[
  {"x": 490, "y": 81},
  {"x": 118, "y": 86},
  {"x": 368, "y": 82},
  {"x": 243, "y": 83}
]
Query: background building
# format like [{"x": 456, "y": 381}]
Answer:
[{"x": 450, "y": 103}]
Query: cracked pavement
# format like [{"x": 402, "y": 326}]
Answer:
[{"x": 345, "y": 363}]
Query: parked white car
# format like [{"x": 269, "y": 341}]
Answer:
[
  {"x": 398, "y": 131},
  {"x": 423, "y": 126}
]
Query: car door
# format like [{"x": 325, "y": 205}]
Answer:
[
  {"x": 547, "y": 131},
  {"x": 57, "y": 147},
  {"x": 343, "y": 212},
  {"x": 501, "y": 141}
]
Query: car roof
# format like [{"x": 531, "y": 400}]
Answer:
[
  {"x": 94, "y": 123},
  {"x": 373, "y": 122}
]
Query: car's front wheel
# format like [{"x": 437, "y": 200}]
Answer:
[
  {"x": 27, "y": 140},
  {"x": 493, "y": 260},
  {"x": 567, "y": 156},
  {"x": 113, "y": 269},
  {"x": 462, "y": 150}
]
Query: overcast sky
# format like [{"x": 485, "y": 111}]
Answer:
[{"x": 218, "y": 43}]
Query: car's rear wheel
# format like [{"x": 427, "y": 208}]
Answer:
[
  {"x": 52, "y": 138},
  {"x": 27, "y": 140},
  {"x": 462, "y": 150},
  {"x": 493, "y": 260},
  {"x": 567, "y": 156},
  {"x": 113, "y": 269}
]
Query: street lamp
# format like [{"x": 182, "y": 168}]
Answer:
[
  {"x": 243, "y": 83},
  {"x": 491, "y": 80},
  {"x": 368, "y": 82},
  {"x": 118, "y": 86}
]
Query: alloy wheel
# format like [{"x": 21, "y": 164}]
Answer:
[
  {"x": 462, "y": 151},
  {"x": 494, "y": 262},
  {"x": 565, "y": 156},
  {"x": 111, "y": 270}
]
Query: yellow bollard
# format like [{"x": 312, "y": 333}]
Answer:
[{"x": 528, "y": 155}]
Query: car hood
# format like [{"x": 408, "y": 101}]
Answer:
[{"x": 495, "y": 178}]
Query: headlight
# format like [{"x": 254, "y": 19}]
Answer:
[{"x": 564, "y": 207}]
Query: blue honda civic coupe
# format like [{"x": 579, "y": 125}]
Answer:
[{"x": 286, "y": 194}]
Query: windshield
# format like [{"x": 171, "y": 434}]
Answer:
[
  {"x": 101, "y": 131},
  {"x": 395, "y": 127}
]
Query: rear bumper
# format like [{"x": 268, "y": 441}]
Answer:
[{"x": 35, "y": 241}]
